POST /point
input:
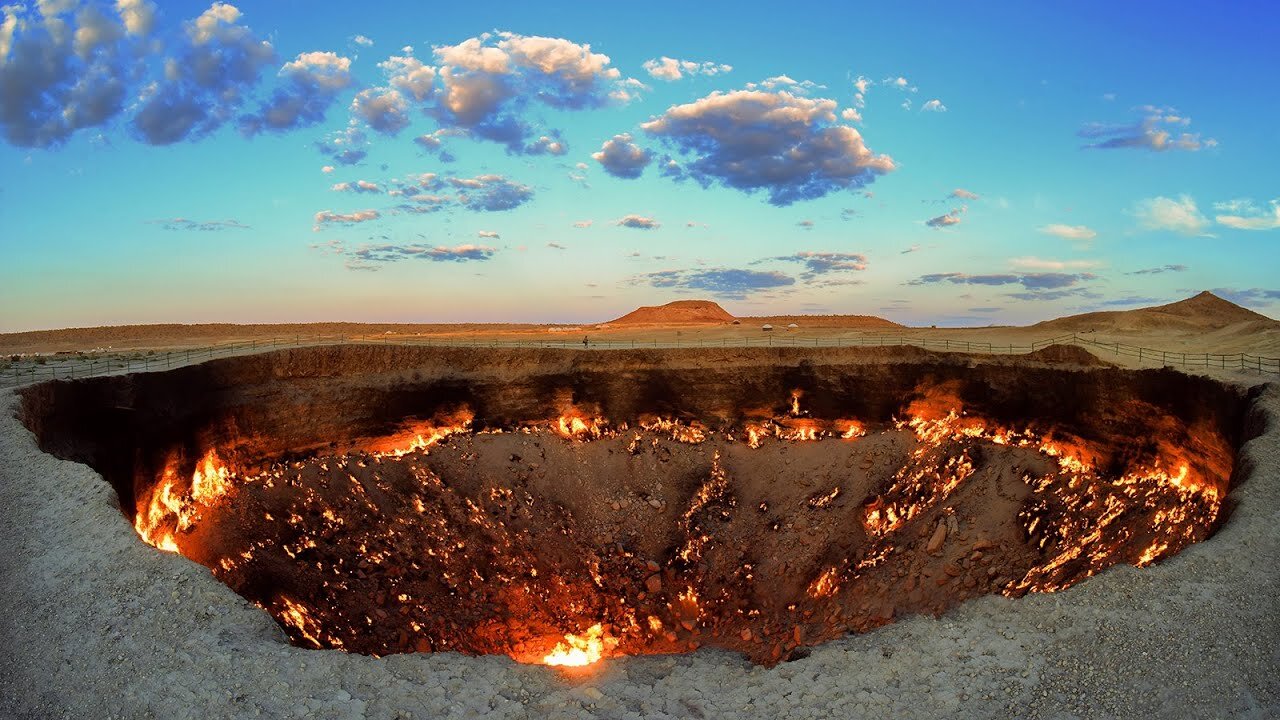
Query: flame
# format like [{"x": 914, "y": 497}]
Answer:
[
  {"x": 826, "y": 584},
  {"x": 579, "y": 650},
  {"x": 167, "y": 509},
  {"x": 210, "y": 479},
  {"x": 575, "y": 427}
]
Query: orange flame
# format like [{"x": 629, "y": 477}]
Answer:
[{"x": 579, "y": 650}]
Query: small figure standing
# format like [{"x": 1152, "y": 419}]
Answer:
[{"x": 584, "y": 341}]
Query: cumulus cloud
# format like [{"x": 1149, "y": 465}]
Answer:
[
  {"x": 787, "y": 145},
  {"x": 951, "y": 217},
  {"x": 1158, "y": 130},
  {"x": 410, "y": 76},
  {"x": 722, "y": 282},
  {"x": 1159, "y": 270},
  {"x": 639, "y": 222},
  {"x": 205, "y": 81},
  {"x": 1180, "y": 215},
  {"x": 546, "y": 145},
  {"x": 346, "y": 147},
  {"x": 383, "y": 109},
  {"x": 933, "y": 106},
  {"x": 487, "y": 81},
  {"x": 622, "y": 158},
  {"x": 362, "y": 41},
  {"x": 1244, "y": 215},
  {"x": 179, "y": 223},
  {"x": 1069, "y": 232},
  {"x": 328, "y": 217},
  {"x": 312, "y": 82},
  {"x": 64, "y": 68},
  {"x": 962, "y": 194},
  {"x": 489, "y": 234},
  {"x": 326, "y": 169},
  {"x": 670, "y": 69}
]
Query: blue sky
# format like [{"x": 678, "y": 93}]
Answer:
[{"x": 973, "y": 164}]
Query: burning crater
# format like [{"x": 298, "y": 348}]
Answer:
[{"x": 561, "y": 507}]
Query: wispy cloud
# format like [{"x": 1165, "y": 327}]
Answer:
[
  {"x": 1070, "y": 232},
  {"x": 1159, "y": 270},
  {"x": 1159, "y": 130},
  {"x": 1244, "y": 215},
  {"x": 1178, "y": 215},
  {"x": 328, "y": 217},
  {"x": 951, "y": 217},
  {"x": 179, "y": 223}
]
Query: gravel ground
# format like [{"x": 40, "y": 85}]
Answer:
[{"x": 96, "y": 624}]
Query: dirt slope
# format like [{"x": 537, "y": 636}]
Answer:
[{"x": 1205, "y": 311}]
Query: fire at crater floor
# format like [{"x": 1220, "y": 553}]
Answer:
[{"x": 761, "y": 523}]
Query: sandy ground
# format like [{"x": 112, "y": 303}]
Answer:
[{"x": 96, "y": 624}]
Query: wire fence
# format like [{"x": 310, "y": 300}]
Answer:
[{"x": 68, "y": 365}]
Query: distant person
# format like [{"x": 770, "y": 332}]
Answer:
[{"x": 584, "y": 341}]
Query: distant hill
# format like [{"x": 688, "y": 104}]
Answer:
[
  {"x": 680, "y": 312},
  {"x": 852, "y": 322},
  {"x": 1203, "y": 312}
]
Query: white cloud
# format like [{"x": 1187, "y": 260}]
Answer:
[
  {"x": 952, "y": 217},
  {"x": 362, "y": 40},
  {"x": 410, "y": 75},
  {"x": 640, "y": 222},
  {"x": 933, "y": 106},
  {"x": 1247, "y": 216},
  {"x": 384, "y": 109},
  {"x": 325, "y": 217},
  {"x": 1069, "y": 232},
  {"x": 490, "y": 234},
  {"x": 622, "y": 158},
  {"x": 670, "y": 69},
  {"x": 1035, "y": 263},
  {"x": 788, "y": 145},
  {"x": 1153, "y": 132},
  {"x": 1180, "y": 215}
]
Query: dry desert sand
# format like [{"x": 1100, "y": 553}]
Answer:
[{"x": 96, "y": 623}]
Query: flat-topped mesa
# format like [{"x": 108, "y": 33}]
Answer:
[{"x": 680, "y": 312}]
